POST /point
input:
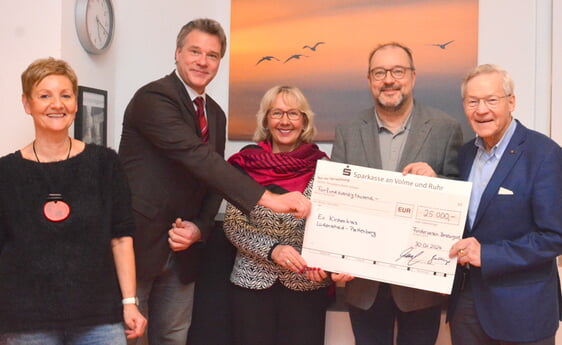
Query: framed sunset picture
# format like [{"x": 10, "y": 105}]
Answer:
[{"x": 322, "y": 47}]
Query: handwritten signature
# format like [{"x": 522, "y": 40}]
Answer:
[
  {"x": 413, "y": 258},
  {"x": 438, "y": 260},
  {"x": 409, "y": 254}
]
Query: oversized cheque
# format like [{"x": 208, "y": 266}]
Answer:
[{"x": 384, "y": 226}]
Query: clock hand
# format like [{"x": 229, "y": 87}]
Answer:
[
  {"x": 98, "y": 27},
  {"x": 103, "y": 27}
]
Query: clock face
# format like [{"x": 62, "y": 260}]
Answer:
[
  {"x": 99, "y": 21},
  {"x": 94, "y": 24}
]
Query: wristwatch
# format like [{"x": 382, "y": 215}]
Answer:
[{"x": 130, "y": 300}]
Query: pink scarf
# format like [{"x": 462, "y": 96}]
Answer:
[{"x": 290, "y": 170}]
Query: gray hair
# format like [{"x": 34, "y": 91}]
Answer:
[
  {"x": 209, "y": 26},
  {"x": 507, "y": 82}
]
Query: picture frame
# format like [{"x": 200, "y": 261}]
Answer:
[
  {"x": 302, "y": 46},
  {"x": 90, "y": 124}
]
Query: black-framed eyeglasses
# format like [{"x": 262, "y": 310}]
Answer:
[
  {"x": 292, "y": 114},
  {"x": 491, "y": 101},
  {"x": 397, "y": 72}
]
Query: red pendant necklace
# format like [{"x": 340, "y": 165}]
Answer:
[{"x": 55, "y": 209}]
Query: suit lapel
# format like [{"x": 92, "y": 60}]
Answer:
[
  {"x": 465, "y": 165},
  {"x": 465, "y": 162},
  {"x": 370, "y": 139},
  {"x": 191, "y": 117},
  {"x": 186, "y": 100},
  {"x": 421, "y": 127},
  {"x": 505, "y": 166}
]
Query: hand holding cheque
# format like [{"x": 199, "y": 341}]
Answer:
[{"x": 384, "y": 226}]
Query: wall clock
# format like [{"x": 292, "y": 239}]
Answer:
[{"x": 94, "y": 24}]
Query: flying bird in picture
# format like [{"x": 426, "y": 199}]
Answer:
[
  {"x": 313, "y": 48},
  {"x": 267, "y": 58},
  {"x": 296, "y": 56},
  {"x": 443, "y": 45}
]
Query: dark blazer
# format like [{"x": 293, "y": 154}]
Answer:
[
  {"x": 173, "y": 173},
  {"x": 516, "y": 292},
  {"x": 435, "y": 139}
]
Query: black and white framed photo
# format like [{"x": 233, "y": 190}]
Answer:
[{"x": 90, "y": 125}]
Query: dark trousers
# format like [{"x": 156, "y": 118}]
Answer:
[
  {"x": 466, "y": 329},
  {"x": 375, "y": 326},
  {"x": 279, "y": 316},
  {"x": 212, "y": 314}
]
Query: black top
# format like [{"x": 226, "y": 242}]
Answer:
[{"x": 55, "y": 275}]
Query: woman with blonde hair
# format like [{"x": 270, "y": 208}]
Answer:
[{"x": 277, "y": 299}]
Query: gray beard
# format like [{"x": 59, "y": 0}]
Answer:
[{"x": 391, "y": 107}]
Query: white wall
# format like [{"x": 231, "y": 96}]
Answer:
[
  {"x": 556, "y": 94},
  {"x": 27, "y": 32},
  {"x": 515, "y": 35},
  {"x": 97, "y": 71},
  {"x": 142, "y": 50},
  {"x": 145, "y": 44}
]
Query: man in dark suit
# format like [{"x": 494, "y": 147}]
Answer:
[
  {"x": 508, "y": 291},
  {"x": 174, "y": 161},
  {"x": 398, "y": 134}
]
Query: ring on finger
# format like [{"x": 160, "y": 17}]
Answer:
[
  {"x": 462, "y": 252},
  {"x": 288, "y": 262}
]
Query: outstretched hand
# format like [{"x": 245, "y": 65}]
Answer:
[{"x": 292, "y": 202}]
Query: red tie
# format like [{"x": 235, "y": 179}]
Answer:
[{"x": 202, "y": 121}]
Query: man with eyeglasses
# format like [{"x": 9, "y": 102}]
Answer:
[
  {"x": 507, "y": 290},
  {"x": 396, "y": 134}
]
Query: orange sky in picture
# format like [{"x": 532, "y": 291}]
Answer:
[{"x": 350, "y": 30}]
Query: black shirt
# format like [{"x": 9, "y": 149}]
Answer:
[{"x": 58, "y": 275}]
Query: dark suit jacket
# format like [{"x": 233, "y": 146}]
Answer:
[
  {"x": 173, "y": 173},
  {"x": 516, "y": 292},
  {"x": 435, "y": 139}
]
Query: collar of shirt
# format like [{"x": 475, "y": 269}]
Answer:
[
  {"x": 405, "y": 125},
  {"x": 192, "y": 93},
  {"x": 483, "y": 168},
  {"x": 501, "y": 145}
]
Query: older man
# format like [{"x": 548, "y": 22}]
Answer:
[
  {"x": 508, "y": 290},
  {"x": 398, "y": 134}
]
